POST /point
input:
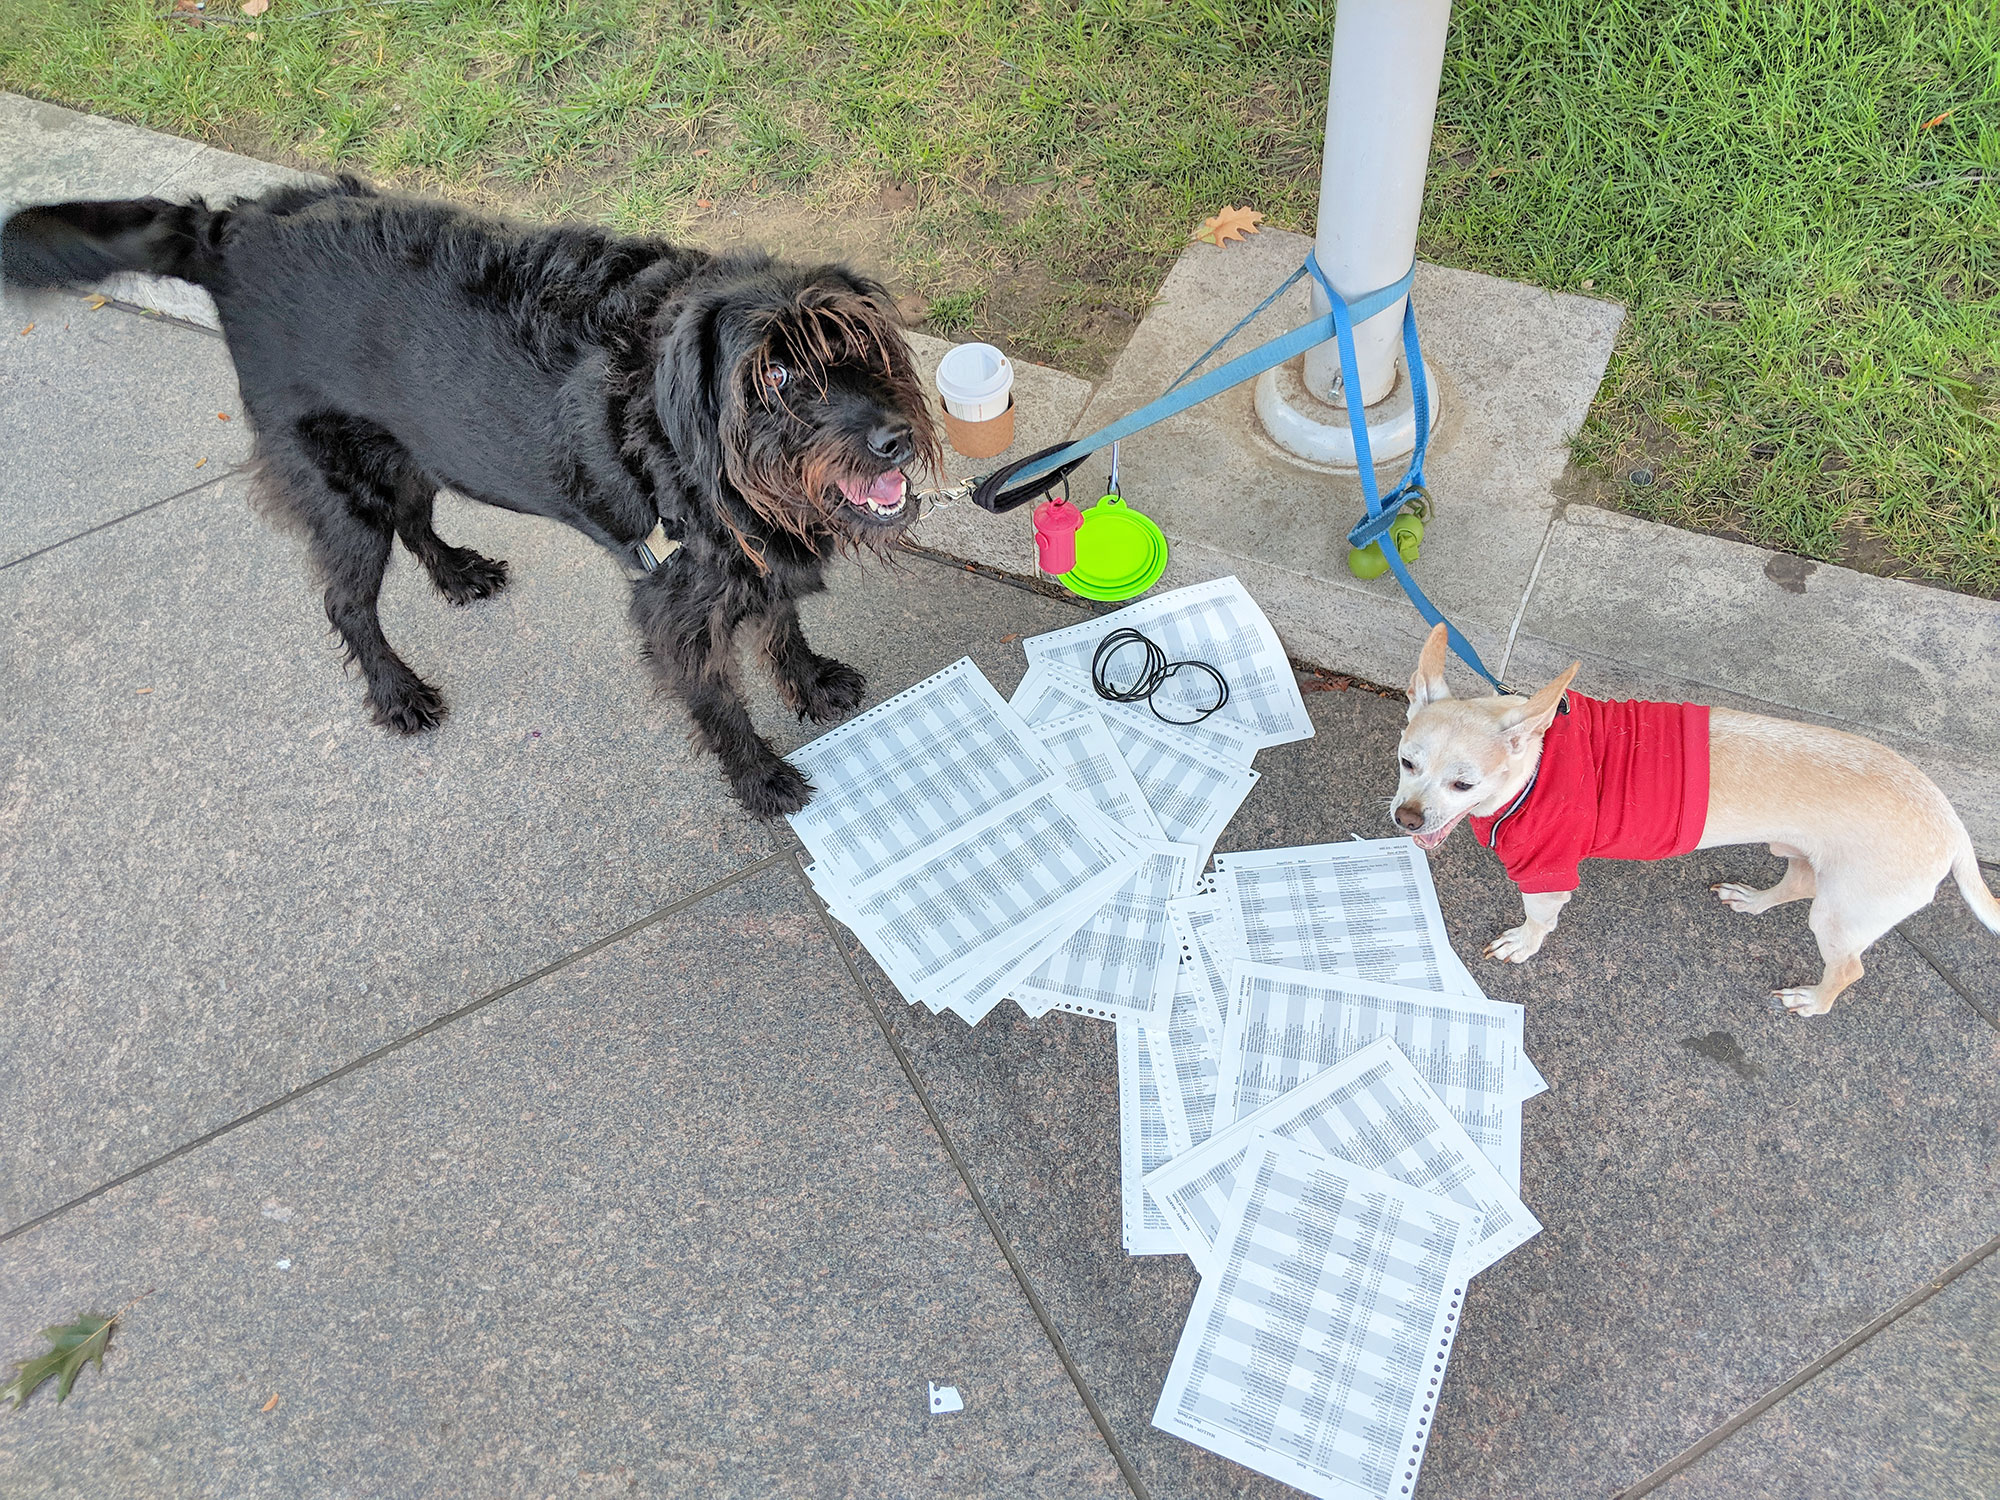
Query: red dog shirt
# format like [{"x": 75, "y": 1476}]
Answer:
[{"x": 1616, "y": 781}]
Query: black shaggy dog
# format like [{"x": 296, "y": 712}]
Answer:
[{"x": 760, "y": 413}]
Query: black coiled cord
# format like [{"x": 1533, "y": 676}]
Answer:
[{"x": 1155, "y": 675}]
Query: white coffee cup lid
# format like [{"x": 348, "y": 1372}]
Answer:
[{"x": 974, "y": 373}]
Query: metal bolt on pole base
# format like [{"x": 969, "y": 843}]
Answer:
[{"x": 1302, "y": 424}]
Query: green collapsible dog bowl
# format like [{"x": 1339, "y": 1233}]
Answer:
[{"x": 1119, "y": 553}]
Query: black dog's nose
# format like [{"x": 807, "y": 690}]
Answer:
[
  {"x": 889, "y": 443},
  {"x": 1410, "y": 816}
]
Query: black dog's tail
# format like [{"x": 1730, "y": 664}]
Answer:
[{"x": 67, "y": 244}]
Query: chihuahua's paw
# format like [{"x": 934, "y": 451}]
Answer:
[
  {"x": 1744, "y": 898},
  {"x": 1801, "y": 1002},
  {"x": 1516, "y": 945}
]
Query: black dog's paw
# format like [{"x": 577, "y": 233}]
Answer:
[
  {"x": 411, "y": 706},
  {"x": 465, "y": 576},
  {"x": 834, "y": 692},
  {"x": 772, "y": 789}
]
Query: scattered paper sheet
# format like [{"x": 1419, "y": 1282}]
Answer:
[
  {"x": 1142, "y": 1144},
  {"x": 1371, "y": 1108},
  {"x": 1185, "y": 1057},
  {"x": 1215, "y": 622},
  {"x": 1529, "y": 1081},
  {"x": 1123, "y": 958},
  {"x": 1365, "y": 908},
  {"x": 1285, "y": 1026},
  {"x": 1090, "y": 762},
  {"x": 896, "y": 781},
  {"x": 1200, "y": 921},
  {"x": 942, "y": 923},
  {"x": 1193, "y": 792},
  {"x": 1314, "y": 1355}
]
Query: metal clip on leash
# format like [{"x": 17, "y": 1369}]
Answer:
[{"x": 931, "y": 500}]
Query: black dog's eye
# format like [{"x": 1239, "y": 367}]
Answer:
[
  {"x": 1408, "y": 764},
  {"x": 777, "y": 377},
  {"x": 1463, "y": 786}
]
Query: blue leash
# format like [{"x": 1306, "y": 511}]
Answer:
[
  {"x": 1382, "y": 510},
  {"x": 1031, "y": 476}
]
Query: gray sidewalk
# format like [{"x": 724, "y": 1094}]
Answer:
[{"x": 502, "y": 1103}]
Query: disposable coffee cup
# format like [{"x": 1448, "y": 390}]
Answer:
[{"x": 976, "y": 384}]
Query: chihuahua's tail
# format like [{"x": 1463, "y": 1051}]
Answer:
[
  {"x": 73, "y": 244},
  {"x": 1972, "y": 885}
]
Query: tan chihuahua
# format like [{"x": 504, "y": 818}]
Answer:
[{"x": 1557, "y": 778}]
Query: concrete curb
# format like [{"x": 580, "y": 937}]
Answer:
[{"x": 1649, "y": 609}]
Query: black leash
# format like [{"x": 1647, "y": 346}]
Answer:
[{"x": 1152, "y": 677}]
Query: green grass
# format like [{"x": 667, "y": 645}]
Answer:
[{"x": 1813, "y": 355}]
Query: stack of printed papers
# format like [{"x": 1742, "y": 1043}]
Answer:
[
  {"x": 1317, "y": 1105},
  {"x": 983, "y": 850},
  {"x": 1332, "y": 1134}
]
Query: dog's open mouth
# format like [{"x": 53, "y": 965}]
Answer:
[
  {"x": 885, "y": 495},
  {"x": 1429, "y": 841}
]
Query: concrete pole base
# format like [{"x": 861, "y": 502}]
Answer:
[{"x": 1307, "y": 427}]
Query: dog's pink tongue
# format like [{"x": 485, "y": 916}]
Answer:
[{"x": 886, "y": 489}]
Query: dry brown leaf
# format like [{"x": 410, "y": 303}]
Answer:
[
  {"x": 28, "y": 330},
  {"x": 96, "y": 300},
  {"x": 143, "y": 691},
  {"x": 272, "y": 1404},
  {"x": 1008, "y": 640},
  {"x": 703, "y": 203},
  {"x": 199, "y": 462},
  {"x": 1230, "y": 224},
  {"x": 255, "y": 7},
  {"x": 1933, "y": 124},
  {"x": 222, "y": 416}
]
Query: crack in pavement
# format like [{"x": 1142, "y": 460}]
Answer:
[
  {"x": 1035, "y": 1304},
  {"x": 437, "y": 1023}
]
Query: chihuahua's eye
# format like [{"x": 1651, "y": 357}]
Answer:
[
  {"x": 1408, "y": 764},
  {"x": 777, "y": 377},
  {"x": 1463, "y": 786}
]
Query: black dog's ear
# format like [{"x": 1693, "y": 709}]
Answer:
[
  {"x": 700, "y": 407},
  {"x": 691, "y": 391}
]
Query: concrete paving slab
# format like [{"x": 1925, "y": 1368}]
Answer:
[
  {"x": 222, "y": 880},
  {"x": 106, "y": 412},
  {"x": 1726, "y": 1193},
  {"x": 1517, "y": 367},
  {"x": 667, "y": 1222},
  {"x": 1916, "y": 667},
  {"x": 1913, "y": 1414}
]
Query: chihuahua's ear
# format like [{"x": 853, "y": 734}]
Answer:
[
  {"x": 1427, "y": 684},
  {"x": 1534, "y": 716}
]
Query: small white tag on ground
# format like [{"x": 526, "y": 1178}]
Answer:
[{"x": 945, "y": 1398}]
